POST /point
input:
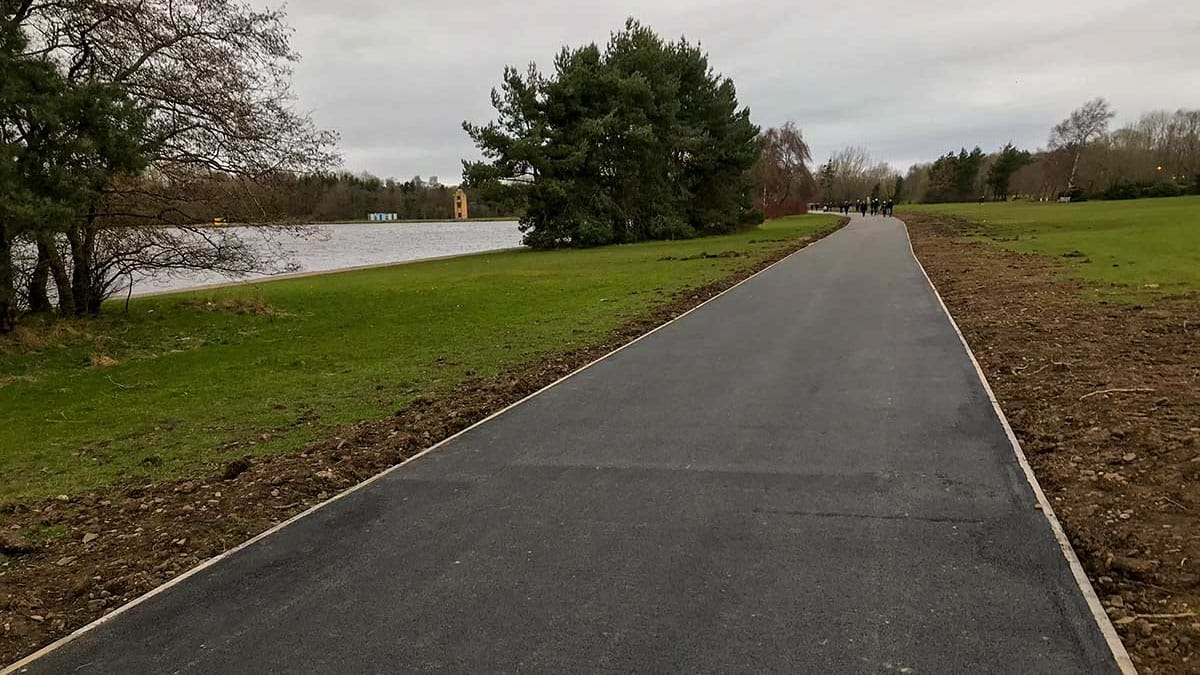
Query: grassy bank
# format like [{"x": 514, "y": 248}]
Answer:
[
  {"x": 185, "y": 382},
  {"x": 1124, "y": 249}
]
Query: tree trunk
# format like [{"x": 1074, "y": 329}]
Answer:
[
  {"x": 94, "y": 296},
  {"x": 79, "y": 284},
  {"x": 62, "y": 281},
  {"x": 95, "y": 299},
  {"x": 83, "y": 243},
  {"x": 1074, "y": 169},
  {"x": 8, "y": 295},
  {"x": 39, "y": 297}
]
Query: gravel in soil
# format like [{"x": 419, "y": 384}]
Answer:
[
  {"x": 67, "y": 561},
  {"x": 1105, "y": 399}
]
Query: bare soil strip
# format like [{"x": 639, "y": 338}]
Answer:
[
  {"x": 111, "y": 546},
  {"x": 1105, "y": 400}
]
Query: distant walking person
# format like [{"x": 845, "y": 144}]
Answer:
[{"x": 875, "y": 206}]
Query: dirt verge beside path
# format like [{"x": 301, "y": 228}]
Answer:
[
  {"x": 1105, "y": 400},
  {"x": 102, "y": 549}
]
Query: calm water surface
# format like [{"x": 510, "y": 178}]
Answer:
[{"x": 337, "y": 246}]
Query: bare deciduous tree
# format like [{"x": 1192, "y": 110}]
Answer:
[
  {"x": 1085, "y": 124},
  {"x": 854, "y": 176},
  {"x": 214, "y": 77},
  {"x": 782, "y": 179}
]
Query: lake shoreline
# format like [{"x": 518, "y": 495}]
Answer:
[
  {"x": 315, "y": 273},
  {"x": 401, "y": 221}
]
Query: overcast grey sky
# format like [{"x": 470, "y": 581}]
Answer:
[{"x": 907, "y": 80}]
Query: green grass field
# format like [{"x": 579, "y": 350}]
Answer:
[
  {"x": 1126, "y": 249},
  {"x": 186, "y": 381}
]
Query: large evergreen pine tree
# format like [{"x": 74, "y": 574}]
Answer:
[{"x": 640, "y": 140}]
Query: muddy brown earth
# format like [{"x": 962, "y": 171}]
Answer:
[
  {"x": 113, "y": 545},
  {"x": 1105, "y": 399}
]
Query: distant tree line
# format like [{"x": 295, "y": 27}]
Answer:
[
  {"x": 851, "y": 174},
  {"x": 1156, "y": 156},
  {"x": 638, "y": 140},
  {"x": 289, "y": 200},
  {"x": 343, "y": 196}
]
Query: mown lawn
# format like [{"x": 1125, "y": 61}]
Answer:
[
  {"x": 184, "y": 382},
  {"x": 1126, "y": 249}
]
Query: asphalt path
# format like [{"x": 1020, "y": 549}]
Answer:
[{"x": 803, "y": 475}]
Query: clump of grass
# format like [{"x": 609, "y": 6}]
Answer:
[
  {"x": 51, "y": 334},
  {"x": 6, "y": 380},
  {"x": 45, "y": 533},
  {"x": 254, "y": 305},
  {"x": 102, "y": 361},
  {"x": 36, "y": 334},
  {"x": 705, "y": 255}
]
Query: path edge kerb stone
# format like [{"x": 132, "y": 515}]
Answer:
[{"x": 1119, "y": 654}]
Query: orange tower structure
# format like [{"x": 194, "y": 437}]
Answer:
[{"x": 460, "y": 204}]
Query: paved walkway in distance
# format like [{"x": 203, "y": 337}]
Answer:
[{"x": 804, "y": 475}]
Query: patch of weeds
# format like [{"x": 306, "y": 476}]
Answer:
[
  {"x": 42, "y": 333},
  {"x": 101, "y": 361},
  {"x": 704, "y": 255},
  {"x": 6, "y": 380},
  {"x": 252, "y": 305},
  {"x": 45, "y": 533}
]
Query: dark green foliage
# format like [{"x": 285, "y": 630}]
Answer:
[
  {"x": 64, "y": 140},
  {"x": 1123, "y": 189},
  {"x": 752, "y": 217},
  {"x": 1162, "y": 189},
  {"x": 941, "y": 179},
  {"x": 1127, "y": 189},
  {"x": 1008, "y": 161},
  {"x": 639, "y": 141},
  {"x": 952, "y": 176},
  {"x": 60, "y": 143},
  {"x": 828, "y": 177}
]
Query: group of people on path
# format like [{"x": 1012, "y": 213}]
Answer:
[
  {"x": 880, "y": 208},
  {"x": 876, "y": 206}
]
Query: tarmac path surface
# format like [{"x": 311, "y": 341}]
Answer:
[{"x": 805, "y": 474}]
